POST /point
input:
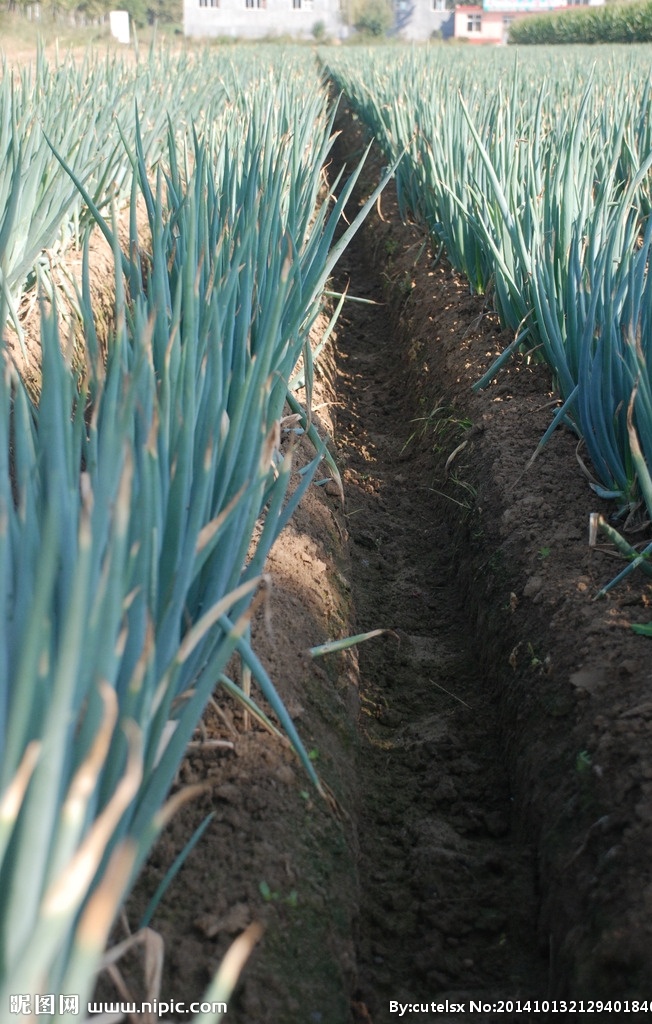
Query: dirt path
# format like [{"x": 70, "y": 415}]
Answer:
[{"x": 441, "y": 868}]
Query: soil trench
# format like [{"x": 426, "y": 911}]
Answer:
[{"x": 448, "y": 898}]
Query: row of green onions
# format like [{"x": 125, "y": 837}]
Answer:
[
  {"x": 535, "y": 176},
  {"x": 140, "y": 498},
  {"x": 81, "y": 108}
]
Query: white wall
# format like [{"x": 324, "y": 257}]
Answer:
[
  {"x": 278, "y": 17},
  {"x": 417, "y": 19}
]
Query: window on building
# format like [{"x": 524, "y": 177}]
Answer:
[
  {"x": 209, "y": 3},
  {"x": 302, "y": 5},
  {"x": 255, "y": 4},
  {"x": 439, "y": 5},
  {"x": 474, "y": 23}
]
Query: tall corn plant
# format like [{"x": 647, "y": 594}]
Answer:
[{"x": 128, "y": 502}]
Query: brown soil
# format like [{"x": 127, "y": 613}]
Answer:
[
  {"x": 66, "y": 281},
  {"x": 489, "y": 759}
]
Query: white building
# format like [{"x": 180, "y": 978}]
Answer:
[
  {"x": 256, "y": 19},
  {"x": 424, "y": 19}
]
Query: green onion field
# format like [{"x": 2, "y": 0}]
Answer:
[{"x": 379, "y": 330}]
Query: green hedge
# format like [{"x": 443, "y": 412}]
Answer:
[{"x": 615, "y": 23}]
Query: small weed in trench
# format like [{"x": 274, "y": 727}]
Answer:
[
  {"x": 273, "y": 896},
  {"x": 442, "y": 423},
  {"x": 583, "y": 762},
  {"x": 465, "y": 502},
  {"x": 469, "y": 492}
]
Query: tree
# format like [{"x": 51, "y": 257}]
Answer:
[
  {"x": 373, "y": 17},
  {"x": 164, "y": 11}
]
